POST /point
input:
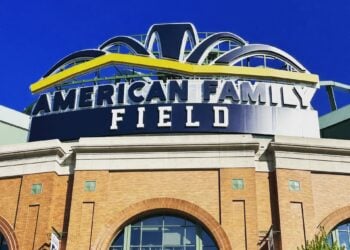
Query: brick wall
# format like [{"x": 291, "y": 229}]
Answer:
[
  {"x": 244, "y": 215},
  {"x": 32, "y": 216},
  {"x": 296, "y": 208},
  {"x": 116, "y": 191},
  {"x": 330, "y": 192}
]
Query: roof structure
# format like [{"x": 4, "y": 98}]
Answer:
[{"x": 335, "y": 124}]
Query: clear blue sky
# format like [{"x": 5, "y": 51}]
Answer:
[{"x": 36, "y": 34}]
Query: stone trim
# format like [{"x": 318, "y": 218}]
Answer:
[
  {"x": 31, "y": 150},
  {"x": 32, "y": 153},
  {"x": 313, "y": 149},
  {"x": 162, "y": 143},
  {"x": 310, "y": 145},
  {"x": 165, "y": 148},
  {"x": 320, "y": 155}
]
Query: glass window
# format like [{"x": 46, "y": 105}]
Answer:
[
  {"x": 37, "y": 188},
  {"x": 153, "y": 221},
  {"x": 3, "y": 243},
  {"x": 164, "y": 232},
  {"x": 173, "y": 236},
  {"x": 135, "y": 236},
  {"x": 172, "y": 220},
  {"x": 206, "y": 239},
  {"x": 341, "y": 235},
  {"x": 294, "y": 185},
  {"x": 151, "y": 236},
  {"x": 237, "y": 184},
  {"x": 90, "y": 186}
]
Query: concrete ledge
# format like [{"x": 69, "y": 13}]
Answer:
[
  {"x": 34, "y": 157},
  {"x": 161, "y": 152},
  {"x": 165, "y": 152},
  {"x": 31, "y": 150},
  {"x": 322, "y": 155},
  {"x": 311, "y": 145},
  {"x": 166, "y": 143}
]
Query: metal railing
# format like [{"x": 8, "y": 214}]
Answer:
[{"x": 330, "y": 86}]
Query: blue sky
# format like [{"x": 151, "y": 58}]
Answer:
[{"x": 36, "y": 34}]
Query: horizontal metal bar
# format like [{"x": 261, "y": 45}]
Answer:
[
  {"x": 335, "y": 84},
  {"x": 110, "y": 78}
]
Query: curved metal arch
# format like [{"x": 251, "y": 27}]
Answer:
[
  {"x": 202, "y": 49},
  {"x": 82, "y": 54},
  {"x": 171, "y": 38},
  {"x": 130, "y": 42},
  {"x": 168, "y": 66},
  {"x": 154, "y": 38},
  {"x": 186, "y": 38},
  {"x": 237, "y": 54}
]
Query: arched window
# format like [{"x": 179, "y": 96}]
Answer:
[
  {"x": 341, "y": 234},
  {"x": 164, "y": 232},
  {"x": 3, "y": 243}
]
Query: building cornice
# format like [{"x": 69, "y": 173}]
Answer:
[
  {"x": 165, "y": 152},
  {"x": 31, "y": 153},
  {"x": 306, "y": 149},
  {"x": 166, "y": 143},
  {"x": 310, "y": 145},
  {"x": 31, "y": 150},
  {"x": 253, "y": 146},
  {"x": 35, "y": 158},
  {"x": 320, "y": 155}
]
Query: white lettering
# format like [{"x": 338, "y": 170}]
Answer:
[
  {"x": 116, "y": 117},
  {"x": 217, "y": 111},
  {"x": 289, "y": 98},
  {"x": 164, "y": 116},
  {"x": 189, "y": 122},
  {"x": 275, "y": 91},
  {"x": 141, "y": 111},
  {"x": 305, "y": 95},
  {"x": 253, "y": 93}
]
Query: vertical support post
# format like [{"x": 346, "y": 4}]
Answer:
[{"x": 331, "y": 97}]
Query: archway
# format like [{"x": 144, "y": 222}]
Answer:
[
  {"x": 7, "y": 236},
  {"x": 164, "y": 231},
  {"x": 161, "y": 206},
  {"x": 333, "y": 219}
]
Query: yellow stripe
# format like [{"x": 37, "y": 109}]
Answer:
[{"x": 171, "y": 66}]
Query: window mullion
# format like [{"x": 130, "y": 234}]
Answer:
[
  {"x": 170, "y": 233},
  {"x": 163, "y": 222},
  {"x": 127, "y": 232},
  {"x": 141, "y": 233},
  {"x": 199, "y": 243}
]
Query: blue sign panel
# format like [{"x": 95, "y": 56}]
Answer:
[
  {"x": 175, "y": 118},
  {"x": 175, "y": 80}
]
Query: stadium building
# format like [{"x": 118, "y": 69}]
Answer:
[{"x": 175, "y": 140}]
